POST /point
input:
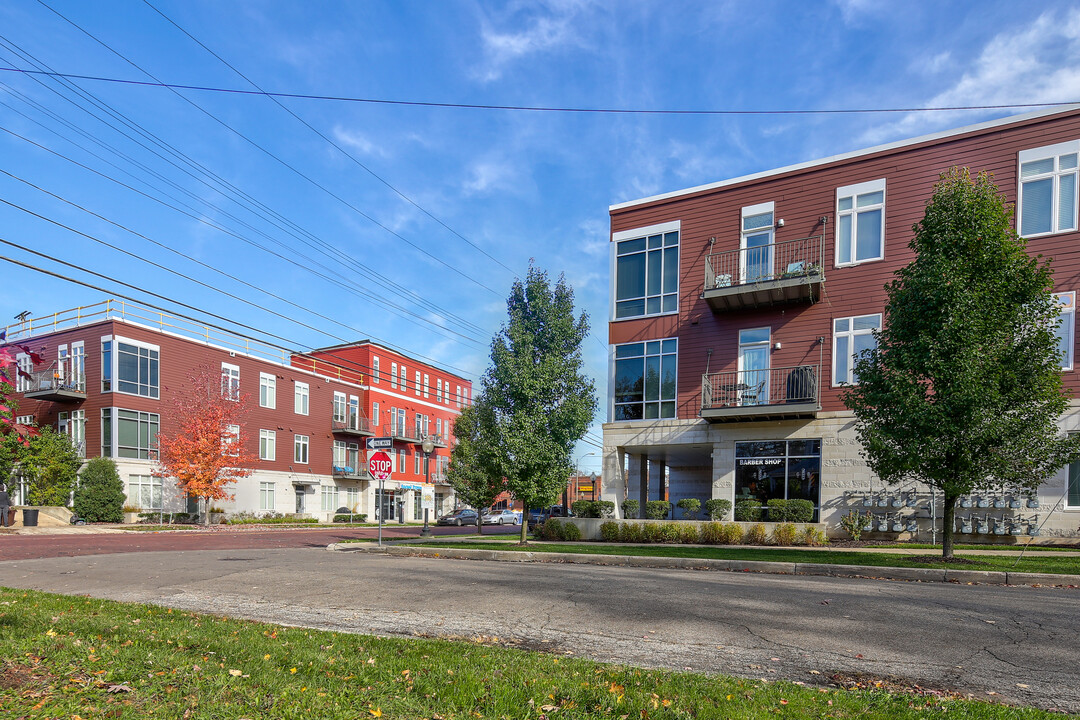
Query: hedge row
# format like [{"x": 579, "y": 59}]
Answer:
[
  {"x": 796, "y": 511},
  {"x": 710, "y": 533},
  {"x": 593, "y": 508},
  {"x": 552, "y": 529}
]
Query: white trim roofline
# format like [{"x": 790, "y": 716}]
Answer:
[{"x": 989, "y": 124}]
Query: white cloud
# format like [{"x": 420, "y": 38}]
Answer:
[
  {"x": 358, "y": 141},
  {"x": 490, "y": 176},
  {"x": 1036, "y": 64},
  {"x": 554, "y": 26},
  {"x": 854, "y": 10}
]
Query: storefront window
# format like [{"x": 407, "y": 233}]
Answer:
[{"x": 778, "y": 469}]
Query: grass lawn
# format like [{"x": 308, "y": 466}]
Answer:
[
  {"x": 1043, "y": 563},
  {"x": 75, "y": 657}
]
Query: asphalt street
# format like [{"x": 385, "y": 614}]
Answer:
[{"x": 1022, "y": 643}]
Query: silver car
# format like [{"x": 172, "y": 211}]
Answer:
[{"x": 501, "y": 517}]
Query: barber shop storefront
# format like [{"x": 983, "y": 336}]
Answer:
[{"x": 780, "y": 469}]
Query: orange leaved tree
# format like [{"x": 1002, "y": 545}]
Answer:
[{"x": 202, "y": 445}]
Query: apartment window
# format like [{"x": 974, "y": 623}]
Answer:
[
  {"x": 300, "y": 449},
  {"x": 1066, "y": 328},
  {"x": 352, "y": 457},
  {"x": 341, "y": 408},
  {"x": 129, "y": 433},
  {"x": 756, "y": 243},
  {"x": 354, "y": 413},
  {"x": 457, "y": 395},
  {"x": 438, "y": 427},
  {"x": 329, "y": 498},
  {"x": 352, "y": 498},
  {"x": 852, "y": 335},
  {"x": 71, "y": 367},
  {"x": 266, "y": 496},
  {"x": 267, "y": 390},
  {"x": 401, "y": 461},
  {"x": 1048, "y": 189},
  {"x": 134, "y": 365},
  {"x": 268, "y": 445},
  {"x": 230, "y": 441},
  {"x": 300, "y": 398},
  {"x": 375, "y": 416},
  {"x": 375, "y": 369},
  {"x": 647, "y": 271},
  {"x": 72, "y": 424},
  {"x": 339, "y": 454},
  {"x": 416, "y": 385},
  {"x": 144, "y": 492},
  {"x": 416, "y": 462},
  {"x": 230, "y": 381},
  {"x": 438, "y": 390},
  {"x": 645, "y": 380},
  {"x": 29, "y": 419},
  {"x": 425, "y": 385},
  {"x": 393, "y": 375},
  {"x": 860, "y": 222},
  {"x": 404, "y": 378}
]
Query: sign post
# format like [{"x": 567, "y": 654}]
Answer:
[{"x": 380, "y": 465}]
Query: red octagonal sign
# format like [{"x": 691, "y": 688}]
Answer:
[{"x": 379, "y": 465}]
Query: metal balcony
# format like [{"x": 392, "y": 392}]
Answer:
[
  {"x": 401, "y": 431},
  {"x": 355, "y": 425},
  {"x": 49, "y": 385},
  {"x": 779, "y": 273},
  {"x": 772, "y": 394},
  {"x": 438, "y": 440},
  {"x": 350, "y": 472}
]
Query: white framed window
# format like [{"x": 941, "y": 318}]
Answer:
[
  {"x": 133, "y": 365},
  {"x": 1066, "y": 328},
  {"x": 438, "y": 390},
  {"x": 860, "y": 222},
  {"x": 404, "y": 379},
  {"x": 756, "y": 243},
  {"x": 426, "y": 385},
  {"x": 416, "y": 462},
  {"x": 71, "y": 366},
  {"x": 268, "y": 445},
  {"x": 267, "y": 390},
  {"x": 375, "y": 416},
  {"x": 266, "y": 496},
  {"x": 401, "y": 461},
  {"x": 341, "y": 408},
  {"x": 29, "y": 419},
  {"x": 1048, "y": 187},
  {"x": 339, "y": 454},
  {"x": 851, "y": 335},
  {"x": 230, "y": 381},
  {"x": 393, "y": 375},
  {"x": 129, "y": 433},
  {"x": 375, "y": 369},
  {"x": 352, "y": 498},
  {"x": 301, "y": 395},
  {"x": 300, "y": 448},
  {"x": 144, "y": 491},
  {"x": 416, "y": 384},
  {"x": 646, "y": 270},
  {"x": 329, "y": 498},
  {"x": 230, "y": 441},
  {"x": 457, "y": 395},
  {"x": 645, "y": 380}
]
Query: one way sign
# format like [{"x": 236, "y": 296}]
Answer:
[{"x": 383, "y": 443}]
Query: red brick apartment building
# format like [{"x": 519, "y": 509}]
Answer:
[
  {"x": 110, "y": 370},
  {"x": 736, "y": 308}
]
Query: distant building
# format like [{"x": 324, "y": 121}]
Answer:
[{"x": 109, "y": 371}]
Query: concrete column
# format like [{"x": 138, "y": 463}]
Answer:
[
  {"x": 723, "y": 471},
  {"x": 638, "y": 480},
  {"x": 614, "y": 485}
]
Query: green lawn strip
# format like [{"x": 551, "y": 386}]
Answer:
[
  {"x": 1067, "y": 565},
  {"x": 994, "y": 548},
  {"x": 80, "y": 657}
]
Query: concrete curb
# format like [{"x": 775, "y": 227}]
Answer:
[{"x": 775, "y": 568}]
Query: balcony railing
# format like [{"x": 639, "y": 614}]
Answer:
[
  {"x": 783, "y": 272},
  {"x": 401, "y": 431},
  {"x": 50, "y": 385},
  {"x": 350, "y": 472},
  {"x": 354, "y": 425},
  {"x": 772, "y": 393}
]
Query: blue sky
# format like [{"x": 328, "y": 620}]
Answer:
[{"x": 490, "y": 190}]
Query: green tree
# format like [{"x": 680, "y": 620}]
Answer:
[
  {"x": 541, "y": 403},
  {"x": 99, "y": 496},
  {"x": 49, "y": 467},
  {"x": 474, "y": 471},
  {"x": 964, "y": 389}
]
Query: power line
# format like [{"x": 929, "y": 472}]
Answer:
[{"x": 535, "y": 108}]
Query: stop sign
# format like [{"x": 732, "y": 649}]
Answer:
[{"x": 379, "y": 465}]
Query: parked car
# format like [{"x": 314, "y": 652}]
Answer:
[
  {"x": 542, "y": 514},
  {"x": 461, "y": 516},
  {"x": 501, "y": 517}
]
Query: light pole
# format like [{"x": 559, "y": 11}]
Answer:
[{"x": 427, "y": 446}]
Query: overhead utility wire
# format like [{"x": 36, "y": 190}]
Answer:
[
  {"x": 340, "y": 149},
  {"x": 279, "y": 160},
  {"x": 537, "y": 108}
]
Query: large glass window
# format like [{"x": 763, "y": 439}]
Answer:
[
  {"x": 137, "y": 369},
  {"x": 645, "y": 380},
  {"x": 340, "y": 459},
  {"x": 129, "y": 434},
  {"x": 300, "y": 398},
  {"x": 267, "y": 444},
  {"x": 860, "y": 222},
  {"x": 341, "y": 408},
  {"x": 1048, "y": 189},
  {"x": 230, "y": 381},
  {"x": 851, "y": 336},
  {"x": 144, "y": 492},
  {"x": 74, "y": 425},
  {"x": 778, "y": 469},
  {"x": 267, "y": 390},
  {"x": 647, "y": 271},
  {"x": 329, "y": 498},
  {"x": 266, "y": 496},
  {"x": 1066, "y": 328}
]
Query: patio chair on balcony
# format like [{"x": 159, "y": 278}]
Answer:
[{"x": 723, "y": 280}]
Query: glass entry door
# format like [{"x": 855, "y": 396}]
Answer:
[{"x": 753, "y": 385}]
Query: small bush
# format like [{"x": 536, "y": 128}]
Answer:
[
  {"x": 689, "y": 534},
  {"x": 132, "y": 509},
  {"x": 650, "y": 533},
  {"x": 351, "y": 518},
  {"x": 99, "y": 496},
  {"x": 778, "y": 510},
  {"x": 630, "y": 508},
  {"x": 609, "y": 531},
  {"x": 582, "y": 508},
  {"x": 800, "y": 511},
  {"x": 748, "y": 511},
  {"x": 731, "y": 534},
  {"x": 717, "y": 508},
  {"x": 855, "y": 522},
  {"x": 756, "y": 535},
  {"x": 784, "y": 534},
  {"x": 553, "y": 529},
  {"x": 690, "y": 507},
  {"x": 711, "y": 532},
  {"x": 632, "y": 533},
  {"x": 593, "y": 508},
  {"x": 813, "y": 537},
  {"x": 607, "y": 508},
  {"x": 669, "y": 532},
  {"x": 570, "y": 532},
  {"x": 657, "y": 509}
]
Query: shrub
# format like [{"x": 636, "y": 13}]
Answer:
[
  {"x": 609, "y": 531},
  {"x": 569, "y": 532},
  {"x": 669, "y": 532},
  {"x": 606, "y": 507},
  {"x": 690, "y": 507},
  {"x": 352, "y": 517},
  {"x": 130, "y": 508},
  {"x": 800, "y": 511},
  {"x": 711, "y": 532},
  {"x": 593, "y": 508},
  {"x": 689, "y": 534},
  {"x": 756, "y": 535},
  {"x": 748, "y": 510},
  {"x": 650, "y": 533},
  {"x": 731, "y": 534},
  {"x": 778, "y": 510},
  {"x": 855, "y": 522},
  {"x": 784, "y": 534},
  {"x": 632, "y": 533},
  {"x": 553, "y": 529},
  {"x": 813, "y": 537},
  {"x": 630, "y": 508},
  {"x": 717, "y": 509},
  {"x": 99, "y": 496},
  {"x": 657, "y": 509}
]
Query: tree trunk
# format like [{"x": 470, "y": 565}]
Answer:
[
  {"x": 948, "y": 517},
  {"x": 479, "y": 524},
  {"x": 525, "y": 526},
  {"x": 206, "y": 511}
]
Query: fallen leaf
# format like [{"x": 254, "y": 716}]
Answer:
[{"x": 118, "y": 689}]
